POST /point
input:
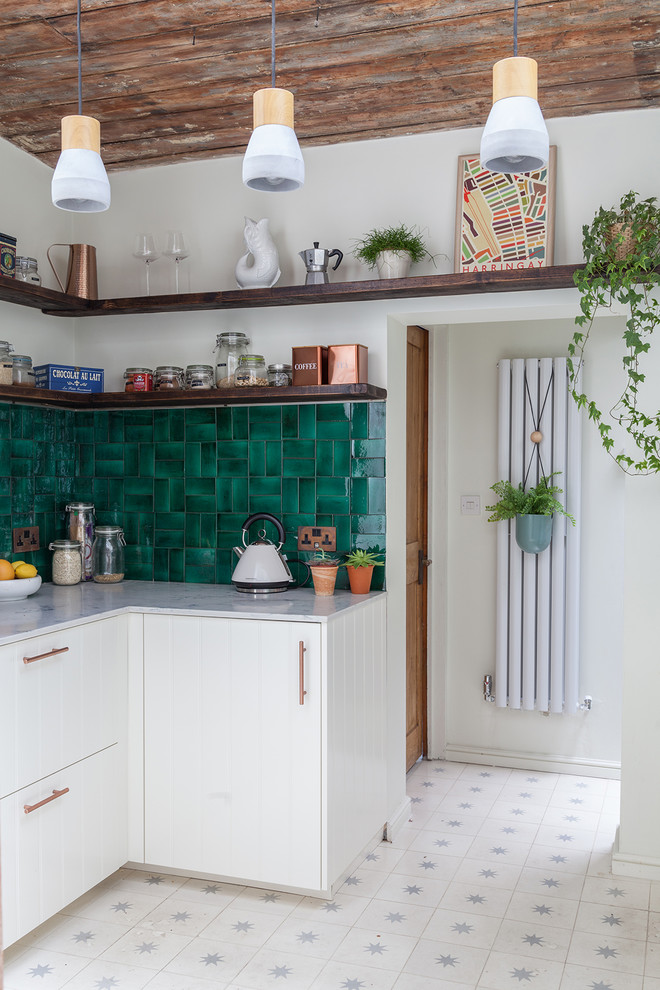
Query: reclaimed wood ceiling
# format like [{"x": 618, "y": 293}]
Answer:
[{"x": 172, "y": 80}]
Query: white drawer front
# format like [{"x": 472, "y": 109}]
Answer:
[
  {"x": 62, "y": 697},
  {"x": 56, "y": 852}
]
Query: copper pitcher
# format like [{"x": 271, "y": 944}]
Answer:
[{"x": 81, "y": 271}]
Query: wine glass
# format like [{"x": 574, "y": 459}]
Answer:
[
  {"x": 145, "y": 249},
  {"x": 177, "y": 250}
]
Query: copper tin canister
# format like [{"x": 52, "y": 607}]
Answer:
[
  {"x": 310, "y": 365},
  {"x": 348, "y": 364}
]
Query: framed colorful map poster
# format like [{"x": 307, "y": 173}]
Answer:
[{"x": 504, "y": 221}]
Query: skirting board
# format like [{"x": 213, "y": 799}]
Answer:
[
  {"x": 626, "y": 865},
  {"x": 528, "y": 761},
  {"x": 395, "y": 822}
]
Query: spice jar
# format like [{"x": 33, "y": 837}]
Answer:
[
  {"x": 6, "y": 364},
  {"x": 199, "y": 376},
  {"x": 279, "y": 374},
  {"x": 22, "y": 370},
  {"x": 67, "y": 561},
  {"x": 26, "y": 270},
  {"x": 138, "y": 380},
  {"x": 108, "y": 554},
  {"x": 168, "y": 376},
  {"x": 230, "y": 346},
  {"x": 81, "y": 528},
  {"x": 251, "y": 371}
]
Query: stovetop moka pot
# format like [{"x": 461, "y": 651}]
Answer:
[{"x": 316, "y": 262}]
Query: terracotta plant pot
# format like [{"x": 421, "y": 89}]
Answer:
[
  {"x": 360, "y": 579},
  {"x": 324, "y": 578}
]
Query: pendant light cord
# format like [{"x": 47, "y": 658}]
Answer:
[
  {"x": 272, "y": 44},
  {"x": 80, "y": 60},
  {"x": 515, "y": 27}
]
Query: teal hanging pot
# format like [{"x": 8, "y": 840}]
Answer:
[{"x": 533, "y": 533}]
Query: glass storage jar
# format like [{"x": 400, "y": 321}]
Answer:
[
  {"x": 279, "y": 374},
  {"x": 80, "y": 526},
  {"x": 26, "y": 270},
  {"x": 138, "y": 380},
  {"x": 108, "y": 554},
  {"x": 251, "y": 371},
  {"x": 230, "y": 345},
  {"x": 22, "y": 370},
  {"x": 168, "y": 376},
  {"x": 6, "y": 363},
  {"x": 199, "y": 376},
  {"x": 67, "y": 561}
]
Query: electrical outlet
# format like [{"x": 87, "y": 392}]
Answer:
[
  {"x": 25, "y": 539},
  {"x": 317, "y": 538}
]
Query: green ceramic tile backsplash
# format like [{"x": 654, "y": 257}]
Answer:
[{"x": 182, "y": 481}]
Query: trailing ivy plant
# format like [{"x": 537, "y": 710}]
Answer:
[
  {"x": 622, "y": 249},
  {"x": 539, "y": 500}
]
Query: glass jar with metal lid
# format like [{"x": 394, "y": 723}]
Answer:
[
  {"x": 26, "y": 270},
  {"x": 22, "y": 370},
  {"x": 6, "y": 364},
  {"x": 199, "y": 376},
  {"x": 138, "y": 380},
  {"x": 279, "y": 374},
  {"x": 168, "y": 376},
  {"x": 230, "y": 345},
  {"x": 80, "y": 526},
  {"x": 251, "y": 371},
  {"x": 67, "y": 561},
  {"x": 108, "y": 554}
]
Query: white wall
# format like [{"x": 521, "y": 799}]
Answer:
[
  {"x": 349, "y": 189},
  {"x": 28, "y": 215}
]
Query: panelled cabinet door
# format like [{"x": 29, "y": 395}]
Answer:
[
  {"x": 233, "y": 748},
  {"x": 71, "y": 838}
]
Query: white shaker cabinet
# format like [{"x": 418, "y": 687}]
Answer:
[
  {"x": 63, "y": 817},
  {"x": 264, "y": 746}
]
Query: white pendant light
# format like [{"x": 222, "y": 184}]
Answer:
[
  {"x": 515, "y": 138},
  {"x": 80, "y": 183},
  {"x": 273, "y": 161}
]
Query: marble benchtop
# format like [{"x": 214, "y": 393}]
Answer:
[{"x": 55, "y": 605}]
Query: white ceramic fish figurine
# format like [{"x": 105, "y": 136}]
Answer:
[{"x": 259, "y": 266}]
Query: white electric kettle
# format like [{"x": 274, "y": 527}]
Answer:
[{"x": 261, "y": 568}]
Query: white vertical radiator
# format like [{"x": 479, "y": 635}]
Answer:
[{"x": 537, "y": 637}]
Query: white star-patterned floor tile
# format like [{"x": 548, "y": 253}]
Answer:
[
  {"x": 617, "y": 919},
  {"x": 428, "y": 864},
  {"x": 285, "y": 971},
  {"x": 101, "y": 974},
  {"x": 455, "y": 822},
  {"x": 566, "y": 836},
  {"x": 535, "y": 881},
  {"x": 149, "y": 882},
  {"x": 476, "y": 899},
  {"x": 172, "y": 981},
  {"x": 503, "y": 848},
  {"x": 532, "y": 941},
  {"x": 79, "y": 936},
  {"x": 211, "y": 959},
  {"x": 309, "y": 938},
  {"x": 181, "y": 917},
  {"x": 382, "y": 859},
  {"x": 394, "y": 917},
  {"x": 518, "y": 809},
  {"x": 499, "y": 829},
  {"x": 441, "y": 844},
  {"x": 462, "y": 928},
  {"x": 543, "y": 857},
  {"x": 489, "y": 873},
  {"x": 242, "y": 926},
  {"x": 592, "y": 978},
  {"x": 405, "y": 889},
  {"x": 43, "y": 968},
  {"x": 607, "y": 951},
  {"x": 363, "y": 883},
  {"x": 113, "y": 905},
  {"x": 209, "y": 892},
  {"x": 347, "y": 976},
  {"x": 542, "y": 909},
  {"x": 446, "y": 961},
  {"x": 375, "y": 948},
  {"x": 269, "y": 901},
  {"x": 505, "y": 970},
  {"x": 617, "y": 891}
]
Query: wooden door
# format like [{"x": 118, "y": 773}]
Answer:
[{"x": 416, "y": 541}]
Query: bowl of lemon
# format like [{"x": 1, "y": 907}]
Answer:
[{"x": 18, "y": 580}]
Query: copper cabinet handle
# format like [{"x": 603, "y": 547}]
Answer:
[
  {"x": 44, "y": 656},
  {"x": 301, "y": 673},
  {"x": 27, "y": 808}
]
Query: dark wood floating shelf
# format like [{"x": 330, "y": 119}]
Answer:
[
  {"x": 206, "y": 397},
  {"x": 59, "y": 304}
]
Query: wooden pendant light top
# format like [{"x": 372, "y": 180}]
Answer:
[
  {"x": 81, "y": 132},
  {"x": 273, "y": 106},
  {"x": 515, "y": 77}
]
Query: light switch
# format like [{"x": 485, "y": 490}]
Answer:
[{"x": 470, "y": 505}]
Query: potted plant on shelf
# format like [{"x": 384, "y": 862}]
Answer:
[
  {"x": 324, "y": 572},
  {"x": 359, "y": 566},
  {"x": 533, "y": 510},
  {"x": 392, "y": 250},
  {"x": 622, "y": 249}
]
